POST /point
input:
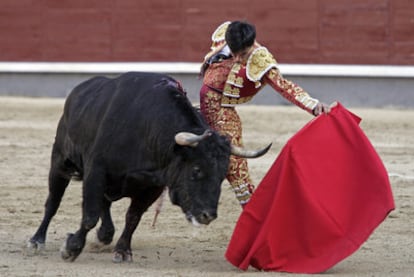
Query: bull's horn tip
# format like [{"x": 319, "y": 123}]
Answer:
[{"x": 267, "y": 148}]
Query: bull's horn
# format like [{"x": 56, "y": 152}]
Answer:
[
  {"x": 190, "y": 139},
  {"x": 241, "y": 152}
]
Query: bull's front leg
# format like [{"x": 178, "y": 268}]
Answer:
[
  {"x": 139, "y": 204},
  {"x": 91, "y": 209}
]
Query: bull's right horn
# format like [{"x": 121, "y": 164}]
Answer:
[
  {"x": 191, "y": 139},
  {"x": 241, "y": 152}
]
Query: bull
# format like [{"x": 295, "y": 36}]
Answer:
[{"x": 133, "y": 136}]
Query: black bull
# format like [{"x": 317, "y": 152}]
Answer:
[{"x": 122, "y": 137}]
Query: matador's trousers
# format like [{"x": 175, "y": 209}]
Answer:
[{"x": 226, "y": 121}]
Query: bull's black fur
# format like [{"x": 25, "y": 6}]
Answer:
[{"x": 117, "y": 136}]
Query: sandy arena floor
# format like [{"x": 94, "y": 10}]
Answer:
[{"x": 174, "y": 247}]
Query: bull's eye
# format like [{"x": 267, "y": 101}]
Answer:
[{"x": 197, "y": 173}]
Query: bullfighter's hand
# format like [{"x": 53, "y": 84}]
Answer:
[{"x": 321, "y": 108}]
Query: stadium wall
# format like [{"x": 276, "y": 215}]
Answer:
[
  {"x": 359, "y": 52},
  {"x": 296, "y": 31}
]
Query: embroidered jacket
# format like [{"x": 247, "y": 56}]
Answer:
[{"x": 240, "y": 82}]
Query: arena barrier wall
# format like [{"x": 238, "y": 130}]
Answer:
[{"x": 353, "y": 85}]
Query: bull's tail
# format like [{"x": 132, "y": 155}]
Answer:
[{"x": 158, "y": 205}]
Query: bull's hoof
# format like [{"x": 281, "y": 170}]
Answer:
[
  {"x": 105, "y": 235},
  {"x": 67, "y": 255},
  {"x": 34, "y": 247},
  {"x": 98, "y": 246},
  {"x": 70, "y": 249},
  {"x": 122, "y": 256}
]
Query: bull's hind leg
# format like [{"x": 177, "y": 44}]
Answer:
[
  {"x": 57, "y": 186},
  {"x": 106, "y": 232},
  {"x": 91, "y": 210},
  {"x": 139, "y": 204}
]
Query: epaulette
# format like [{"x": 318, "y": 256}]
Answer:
[
  {"x": 218, "y": 38},
  {"x": 259, "y": 63},
  {"x": 220, "y": 33}
]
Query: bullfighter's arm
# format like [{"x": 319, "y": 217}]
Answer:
[
  {"x": 290, "y": 90},
  {"x": 262, "y": 67}
]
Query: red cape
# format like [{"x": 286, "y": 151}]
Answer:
[{"x": 322, "y": 198}]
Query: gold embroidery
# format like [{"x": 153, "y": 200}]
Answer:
[
  {"x": 218, "y": 38},
  {"x": 284, "y": 84},
  {"x": 211, "y": 106},
  {"x": 239, "y": 82},
  {"x": 233, "y": 80},
  {"x": 220, "y": 32},
  {"x": 217, "y": 73},
  {"x": 306, "y": 100},
  {"x": 231, "y": 91},
  {"x": 231, "y": 102},
  {"x": 238, "y": 171},
  {"x": 291, "y": 91},
  {"x": 259, "y": 63},
  {"x": 273, "y": 73},
  {"x": 236, "y": 68},
  {"x": 227, "y": 122}
]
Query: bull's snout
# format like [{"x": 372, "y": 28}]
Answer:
[{"x": 205, "y": 217}]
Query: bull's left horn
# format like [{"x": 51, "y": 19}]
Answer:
[
  {"x": 191, "y": 139},
  {"x": 241, "y": 152}
]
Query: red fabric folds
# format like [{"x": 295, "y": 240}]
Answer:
[{"x": 322, "y": 198}]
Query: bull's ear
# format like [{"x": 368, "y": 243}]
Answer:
[{"x": 143, "y": 178}]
